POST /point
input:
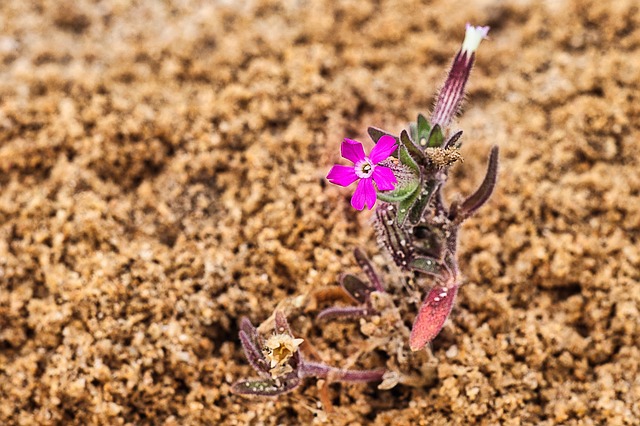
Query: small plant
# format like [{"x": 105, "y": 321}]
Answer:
[
  {"x": 277, "y": 359},
  {"x": 406, "y": 174},
  {"x": 412, "y": 222}
]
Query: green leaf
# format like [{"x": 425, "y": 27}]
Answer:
[
  {"x": 425, "y": 194},
  {"x": 407, "y": 159},
  {"x": 411, "y": 147},
  {"x": 436, "y": 138},
  {"x": 413, "y": 131},
  {"x": 404, "y": 207},
  {"x": 376, "y": 134},
  {"x": 367, "y": 267},
  {"x": 427, "y": 265},
  {"x": 422, "y": 131},
  {"x": 400, "y": 193}
]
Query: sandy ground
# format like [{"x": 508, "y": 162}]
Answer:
[{"x": 162, "y": 175}]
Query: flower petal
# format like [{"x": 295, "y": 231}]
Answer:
[
  {"x": 384, "y": 178},
  {"x": 352, "y": 150},
  {"x": 383, "y": 149},
  {"x": 342, "y": 175},
  {"x": 472, "y": 38},
  {"x": 365, "y": 194}
]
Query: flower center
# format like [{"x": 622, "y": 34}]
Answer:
[{"x": 364, "y": 168}]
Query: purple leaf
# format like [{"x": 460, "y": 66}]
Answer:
[
  {"x": 357, "y": 289},
  {"x": 367, "y": 268},
  {"x": 252, "y": 333},
  {"x": 267, "y": 387},
  {"x": 482, "y": 194},
  {"x": 282, "y": 326},
  {"x": 453, "y": 139},
  {"x": 344, "y": 312},
  {"x": 254, "y": 355},
  {"x": 376, "y": 134},
  {"x": 433, "y": 313},
  {"x": 312, "y": 369}
]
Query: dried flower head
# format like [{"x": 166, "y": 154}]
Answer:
[
  {"x": 280, "y": 364},
  {"x": 278, "y": 349}
]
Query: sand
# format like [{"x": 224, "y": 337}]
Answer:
[{"x": 162, "y": 175}]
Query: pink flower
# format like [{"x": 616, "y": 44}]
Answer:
[{"x": 366, "y": 169}]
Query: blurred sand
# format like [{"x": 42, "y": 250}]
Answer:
[{"x": 161, "y": 175}]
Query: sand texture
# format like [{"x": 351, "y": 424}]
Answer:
[{"x": 162, "y": 175}]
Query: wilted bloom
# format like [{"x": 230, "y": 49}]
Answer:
[
  {"x": 278, "y": 349},
  {"x": 282, "y": 367},
  {"x": 452, "y": 92},
  {"x": 367, "y": 169}
]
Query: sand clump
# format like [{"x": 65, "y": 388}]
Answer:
[{"x": 162, "y": 175}]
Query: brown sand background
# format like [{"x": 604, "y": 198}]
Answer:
[{"x": 161, "y": 175}]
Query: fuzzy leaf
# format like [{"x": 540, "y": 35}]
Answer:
[
  {"x": 376, "y": 134},
  {"x": 368, "y": 269},
  {"x": 346, "y": 312},
  {"x": 482, "y": 194},
  {"x": 436, "y": 138},
  {"x": 415, "y": 152},
  {"x": 433, "y": 313},
  {"x": 453, "y": 139},
  {"x": 423, "y": 129},
  {"x": 314, "y": 369},
  {"x": 413, "y": 131},
  {"x": 407, "y": 160},
  {"x": 393, "y": 237},
  {"x": 426, "y": 265},
  {"x": 254, "y": 355},
  {"x": 356, "y": 376},
  {"x": 355, "y": 287},
  {"x": 421, "y": 203},
  {"x": 404, "y": 207},
  {"x": 282, "y": 326},
  {"x": 252, "y": 333},
  {"x": 400, "y": 193},
  {"x": 266, "y": 387}
]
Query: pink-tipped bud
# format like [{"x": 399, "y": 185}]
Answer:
[
  {"x": 433, "y": 313},
  {"x": 452, "y": 92}
]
